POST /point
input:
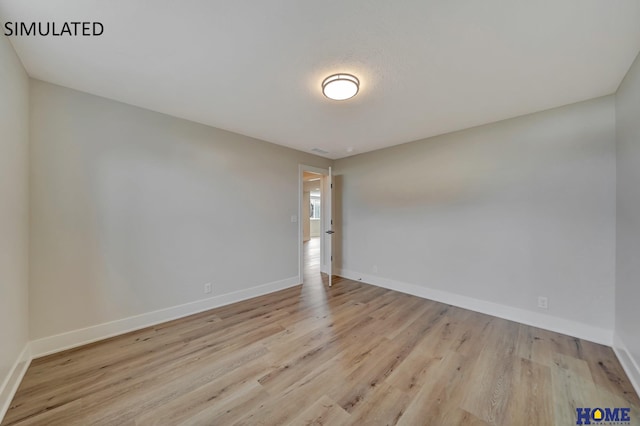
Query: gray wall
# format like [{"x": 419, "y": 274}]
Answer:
[
  {"x": 133, "y": 211},
  {"x": 14, "y": 215},
  {"x": 503, "y": 212},
  {"x": 628, "y": 212}
]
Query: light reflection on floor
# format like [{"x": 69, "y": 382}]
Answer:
[{"x": 314, "y": 289}]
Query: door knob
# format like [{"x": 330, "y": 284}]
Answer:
[{"x": 331, "y": 232}]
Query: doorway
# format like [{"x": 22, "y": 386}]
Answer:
[
  {"x": 311, "y": 225},
  {"x": 315, "y": 220}
]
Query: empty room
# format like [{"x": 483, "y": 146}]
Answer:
[{"x": 328, "y": 213}]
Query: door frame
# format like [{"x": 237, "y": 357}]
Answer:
[{"x": 324, "y": 172}]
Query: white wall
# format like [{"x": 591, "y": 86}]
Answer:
[
  {"x": 133, "y": 211},
  {"x": 628, "y": 217},
  {"x": 502, "y": 213},
  {"x": 14, "y": 217}
]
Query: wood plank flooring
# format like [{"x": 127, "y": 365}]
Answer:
[{"x": 349, "y": 354}]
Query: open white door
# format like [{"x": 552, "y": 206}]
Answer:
[{"x": 328, "y": 222}]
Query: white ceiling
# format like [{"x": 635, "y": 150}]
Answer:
[{"x": 255, "y": 67}]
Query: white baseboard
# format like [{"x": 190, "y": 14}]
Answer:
[
  {"x": 83, "y": 336},
  {"x": 630, "y": 365},
  {"x": 12, "y": 381},
  {"x": 523, "y": 316}
]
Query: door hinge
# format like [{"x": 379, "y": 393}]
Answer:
[
  {"x": 332, "y": 221},
  {"x": 332, "y": 258},
  {"x": 331, "y": 186}
]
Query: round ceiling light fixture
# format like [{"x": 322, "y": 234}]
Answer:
[{"x": 340, "y": 87}]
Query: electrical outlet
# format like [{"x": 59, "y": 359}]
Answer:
[
  {"x": 543, "y": 302},
  {"x": 207, "y": 288},
  {"x": 375, "y": 269}
]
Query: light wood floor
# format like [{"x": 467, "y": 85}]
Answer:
[{"x": 350, "y": 354}]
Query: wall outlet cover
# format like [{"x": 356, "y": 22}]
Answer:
[{"x": 543, "y": 302}]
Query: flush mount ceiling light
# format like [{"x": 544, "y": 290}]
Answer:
[{"x": 340, "y": 86}]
